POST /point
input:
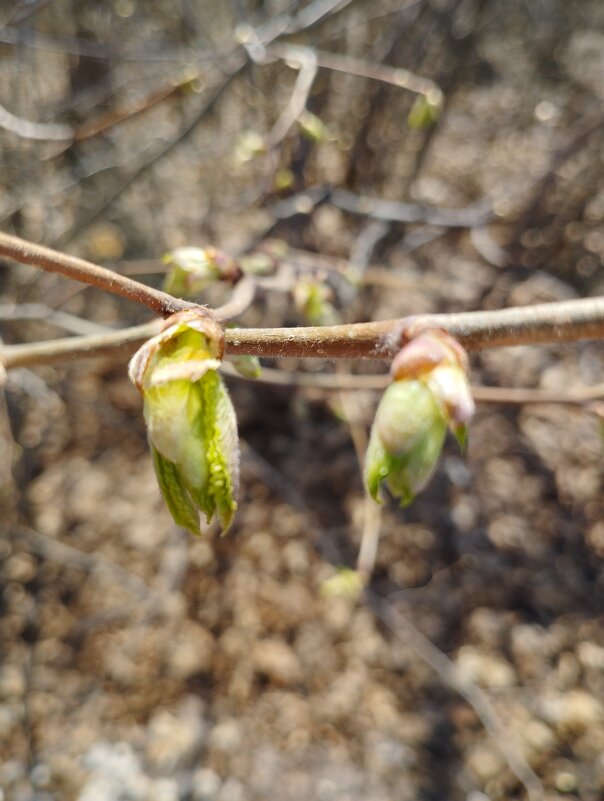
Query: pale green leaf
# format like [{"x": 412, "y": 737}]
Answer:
[{"x": 175, "y": 494}]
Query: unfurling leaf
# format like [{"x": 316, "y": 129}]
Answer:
[
  {"x": 190, "y": 419},
  {"x": 429, "y": 393}
]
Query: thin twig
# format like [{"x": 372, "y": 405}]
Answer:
[
  {"x": 402, "y": 628},
  {"x": 38, "y": 311},
  {"x": 239, "y": 302},
  {"x": 338, "y": 382},
  {"x": 26, "y": 129},
  {"x": 119, "y": 115},
  {"x": 296, "y": 106},
  {"x": 13, "y": 247},
  {"x": 566, "y": 321},
  {"x": 392, "y": 211},
  {"x": 372, "y": 512},
  {"x": 315, "y": 12},
  {"x": 68, "y": 555},
  {"x": 395, "y": 76},
  {"x": 80, "y": 47}
]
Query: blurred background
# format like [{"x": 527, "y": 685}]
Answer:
[{"x": 391, "y": 158}]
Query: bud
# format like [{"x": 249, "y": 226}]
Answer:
[
  {"x": 313, "y": 127},
  {"x": 429, "y": 393},
  {"x": 440, "y": 361},
  {"x": 247, "y": 366},
  {"x": 426, "y": 110},
  {"x": 194, "y": 269},
  {"x": 406, "y": 440},
  {"x": 190, "y": 419},
  {"x": 346, "y": 583},
  {"x": 312, "y": 298},
  {"x": 249, "y": 145},
  {"x": 265, "y": 259}
]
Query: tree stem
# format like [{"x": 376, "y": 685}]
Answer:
[
  {"x": 53, "y": 261},
  {"x": 568, "y": 321}
]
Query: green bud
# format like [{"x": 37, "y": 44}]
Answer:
[
  {"x": 346, "y": 583},
  {"x": 283, "y": 179},
  {"x": 190, "y": 419},
  {"x": 425, "y": 111},
  {"x": 312, "y": 126},
  {"x": 249, "y": 145},
  {"x": 265, "y": 259},
  {"x": 313, "y": 300},
  {"x": 406, "y": 440},
  {"x": 247, "y": 366}
]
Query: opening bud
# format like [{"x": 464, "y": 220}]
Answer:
[
  {"x": 190, "y": 419},
  {"x": 430, "y": 392}
]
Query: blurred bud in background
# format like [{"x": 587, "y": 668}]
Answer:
[
  {"x": 193, "y": 269},
  {"x": 313, "y": 127},
  {"x": 425, "y": 110},
  {"x": 313, "y": 300},
  {"x": 345, "y": 583}
]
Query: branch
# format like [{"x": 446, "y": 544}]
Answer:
[
  {"x": 135, "y": 107},
  {"x": 392, "y": 211},
  {"x": 339, "y": 382},
  {"x": 568, "y": 321},
  {"x": 296, "y": 105},
  {"x": 26, "y": 129},
  {"x": 52, "y": 261},
  {"x": 14, "y": 312},
  {"x": 478, "y": 699},
  {"x": 396, "y": 76}
]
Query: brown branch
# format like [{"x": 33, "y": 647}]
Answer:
[
  {"x": 568, "y": 321},
  {"x": 24, "y": 252},
  {"x": 136, "y": 107}
]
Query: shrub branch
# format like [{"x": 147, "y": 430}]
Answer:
[
  {"x": 566, "y": 321},
  {"x": 24, "y": 252}
]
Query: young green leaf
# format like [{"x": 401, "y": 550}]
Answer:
[{"x": 190, "y": 419}]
